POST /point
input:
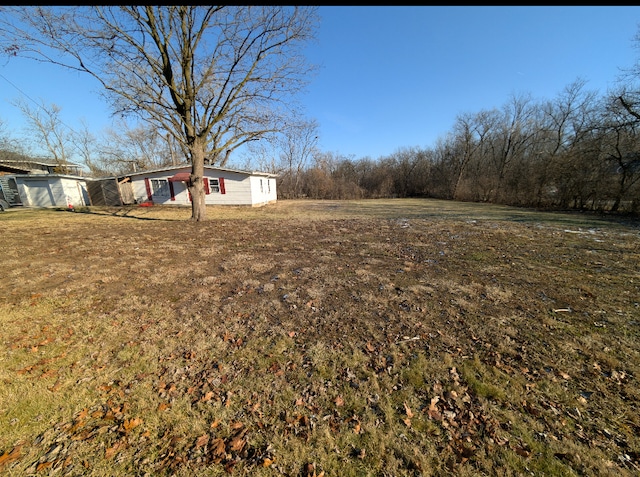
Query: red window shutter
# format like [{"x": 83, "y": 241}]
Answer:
[
  {"x": 173, "y": 194},
  {"x": 206, "y": 186},
  {"x": 221, "y": 181},
  {"x": 147, "y": 184}
]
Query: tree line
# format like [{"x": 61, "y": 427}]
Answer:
[{"x": 577, "y": 151}]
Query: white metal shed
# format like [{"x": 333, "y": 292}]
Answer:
[{"x": 52, "y": 190}]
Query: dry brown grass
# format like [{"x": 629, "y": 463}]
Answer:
[{"x": 364, "y": 338}]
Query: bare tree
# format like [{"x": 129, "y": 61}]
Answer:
[
  {"x": 50, "y": 132},
  {"x": 620, "y": 146},
  {"x": 213, "y": 77},
  {"x": 85, "y": 145},
  {"x": 297, "y": 146},
  {"x": 513, "y": 137},
  {"x": 408, "y": 176},
  {"x": 4, "y": 137},
  {"x": 288, "y": 153},
  {"x": 129, "y": 149},
  {"x": 6, "y": 143},
  {"x": 470, "y": 132},
  {"x": 628, "y": 90},
  {"x": 562, "y": 145}
]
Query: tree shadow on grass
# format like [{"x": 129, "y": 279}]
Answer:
[{"x": 125, "y": 213}]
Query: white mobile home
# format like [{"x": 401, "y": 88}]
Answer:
[
  {"x": 222, "y": 186},
  {"x": 51, "y": 190}
]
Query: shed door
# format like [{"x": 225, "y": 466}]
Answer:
[
  {"x": 126, "y": 192},
  {"x": 40, "y": 194}
]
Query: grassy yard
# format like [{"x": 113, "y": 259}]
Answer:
[{"x": 319, "y": 338}]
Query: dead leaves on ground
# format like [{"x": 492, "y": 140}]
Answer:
[
  {"x": 224, "y": 445},
  {"x": 10, "y": 456},
  {"x": 468, "y": 429}
]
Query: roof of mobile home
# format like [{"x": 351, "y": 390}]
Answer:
[{"x": 206, "y": 167}]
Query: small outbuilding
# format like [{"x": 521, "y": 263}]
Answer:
[
  {"x": 51, "y": 190},
  {"x": 169, "y": 186}
]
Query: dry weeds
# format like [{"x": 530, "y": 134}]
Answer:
[{"x": 380, "y": 338}]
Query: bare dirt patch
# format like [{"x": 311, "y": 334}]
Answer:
[{"x": 319, "y": 338}]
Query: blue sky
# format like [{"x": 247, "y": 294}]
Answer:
[{"x": 396, "y": 77}]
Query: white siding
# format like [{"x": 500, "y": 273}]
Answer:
[
  {"x": 239, "y": 188},
  {"x": 139, "y": 189},
  {"x": 75, "y": 192},
  {"x": 263, "y": 190}
]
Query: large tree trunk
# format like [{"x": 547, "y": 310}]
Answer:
[{"x": 196, "y": 185}]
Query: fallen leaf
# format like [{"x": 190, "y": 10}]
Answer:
[
  {"x": 76, "y": 426},
  {"x": 407, "y": 409},
  {"x": 163, "y": 406},
  {"x": 111, "y": 451},
  {"x": 43, "y": 465},
  {"x": 202, "y": 440},
  {"x": 339, "y": 401},
  {"x": 207, "y": 397},
  {"x": 267, "y": 462},
  {"x": 304, "y": 420},
  {"x": 433, "y": 409},
  {"x": 129, "y": 424},
  {"x": 236, "y": 425},
  {"x": 10, "y": 456},
  {"x": 237, "y": 443},
  {"x": 218, "y": 447}
]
